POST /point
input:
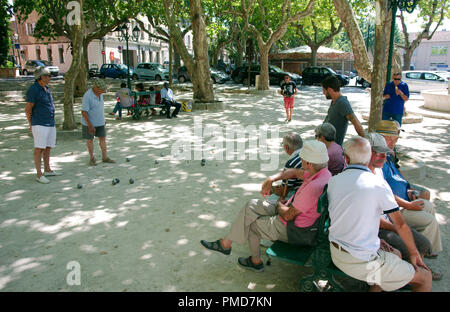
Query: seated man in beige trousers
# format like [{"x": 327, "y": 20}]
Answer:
[
  {"x": 261, "y": 219},
  {"x": 414, "y": 202}
]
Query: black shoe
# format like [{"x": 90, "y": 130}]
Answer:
[
  {"x": 174, "y": 116},
  {"x": 169, "y": 117},
  {"x": 248, "y": 264},
  {"x": 216, "y": 246}
]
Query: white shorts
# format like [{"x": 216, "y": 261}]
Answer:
[
  {"x": 44, "y": 136},
  {"x": 386, "y": 269}
]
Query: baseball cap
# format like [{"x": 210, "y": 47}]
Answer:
[
  {"x": 388, "y": 127},
  {"x": 41, "y": 71},
  {"x": 100, "y": 83},
  {"x": 314, "y": 152},
  {"x": 378, "y": 143}
]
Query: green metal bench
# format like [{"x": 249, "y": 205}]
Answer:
[
  {"x": 136, "y": 109},
  {"x": 324, "y": 270}
]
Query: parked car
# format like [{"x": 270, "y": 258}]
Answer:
[
  {"x": 152, "y": 71},
  {"x": 31, "y": 65},
  {"x": 316, "y": 74},
  {"x": 114, "y": 71},
  {"x": 276, "y": 75},
  {"x": 216, "y": 75},
  {"x": 93, "y": 70},
  {"x": 235, "y": 73},
  {"x": 361, "y": 81},
  {"x": 418, "y": 80}
]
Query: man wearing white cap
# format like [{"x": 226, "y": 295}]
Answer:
[
  {"x": 93, "y": 120},
  {"x": 260, "y": 219},
  {"x": 40, "y": 112}
]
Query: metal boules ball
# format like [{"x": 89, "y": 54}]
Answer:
[
  {"x": 127, "y": 159},
  {"x": 115, "y": 181},
  {"x": 131, "y": 181},
  {"x": 79, "y": 186},
  {"x": 203, "y": 162},
  {"x": 156, "y": 162}
]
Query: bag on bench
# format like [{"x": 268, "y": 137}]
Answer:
[{"x": 302, "y": 236}]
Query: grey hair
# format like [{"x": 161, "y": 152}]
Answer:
[
  {"x": 293, "y": 140},
  {"x": 358, "y": 149},
  {"x": 40, "y": 71}
]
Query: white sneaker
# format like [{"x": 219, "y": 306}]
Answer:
[
  {"x": 43, "y": 180},
  {"x": 52, "y": 174}
]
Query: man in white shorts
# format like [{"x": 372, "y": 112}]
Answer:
[
  {"x": 357, "y": 198},
  {"x": 40, "y": 112}
]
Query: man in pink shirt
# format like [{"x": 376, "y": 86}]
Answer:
[{"x": 261, "y": 219}]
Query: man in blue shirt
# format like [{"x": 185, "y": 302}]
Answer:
[
  {"x": 396, "y": 93},
  {"x": 93, "y": 120},
  {"x": 40, "y": 112}
]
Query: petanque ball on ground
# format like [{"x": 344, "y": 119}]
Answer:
[
  {"x": 203, "y": 162},
  {"x": 128, "y": 159},
  {"x": 156, "y": 162},
  {"x": 79, "y": 186},
  {"x": 131, "y": 181}
]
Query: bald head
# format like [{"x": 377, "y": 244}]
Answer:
[{"x": 358, "y": 151}]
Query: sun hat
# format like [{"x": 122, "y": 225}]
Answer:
[
  {"x": 378, "y": 143},
  {"x": 388, "y": 127},
  {"x": 41, "y": 71},
  {"x": 314, "y": 152},
  {"x": 100, "y": 83}
]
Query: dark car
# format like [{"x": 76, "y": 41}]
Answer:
[
  {"x": 314, "y": 75},
  {"x": 276, "y": 75},
  {"x": 216, "y": 75},
  {"x": 361, "y": 81},
  {"x": 114, "y": 71}
]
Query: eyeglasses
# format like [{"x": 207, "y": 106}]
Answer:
[{"x": 397, "y": 78}]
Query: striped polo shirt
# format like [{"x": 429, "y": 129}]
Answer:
[{"x": 294, "y": 161}]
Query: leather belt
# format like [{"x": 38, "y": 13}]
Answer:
[{"x": 339, "y": 247}]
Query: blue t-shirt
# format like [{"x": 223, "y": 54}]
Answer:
[
  {"x": 94, "y": 107},
  {"x": 394, "y": 178},
  {"x": 395, "y": 103},
  {"x": 43, "y": 112}
]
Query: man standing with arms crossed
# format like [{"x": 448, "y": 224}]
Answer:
[
  {"x": 40, "y": 112},
  {"x": 93, "y": 120}
]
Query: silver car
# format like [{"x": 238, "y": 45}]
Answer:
[
  {"x": 421, "y": 80},
  {"x": 31, "y": 65}
]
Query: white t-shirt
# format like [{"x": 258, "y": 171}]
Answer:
[{"x": 357, "y": 198}]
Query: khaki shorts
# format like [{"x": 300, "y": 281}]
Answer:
[{"x": 386, "y": 269}]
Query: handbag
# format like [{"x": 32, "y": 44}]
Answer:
[{"x": 306, "y": 236}]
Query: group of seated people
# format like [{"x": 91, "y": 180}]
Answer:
[
  {"x": 381, "y": 226},
  {"x": 155, "y": 97}
]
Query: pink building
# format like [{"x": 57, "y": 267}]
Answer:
[{"x": 432, "y": 54}]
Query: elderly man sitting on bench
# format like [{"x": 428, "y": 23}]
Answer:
[
  {"x": 168, "y": 100},
  {"x": 260, "y": 219}
]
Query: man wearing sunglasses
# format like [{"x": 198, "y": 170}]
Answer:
[{"x": 395, "y": 94}]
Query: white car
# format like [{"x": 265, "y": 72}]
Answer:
[
  {"x": 31, "y": 65},
  {"x": 421, "y": 80}
]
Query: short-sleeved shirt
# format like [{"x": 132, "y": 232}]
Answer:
[
  {"x": 167, "y": 94},
  {"x": 357, "y": 199},
  {"x": 288, "y": 88},
  {"x": 336, "y": 160},
  {"x": 94, "y": 106},
  {"x": 395, "y": 103},
  {"x": 43, "y": 112},
  {"x": 294, "y": 162},
  {"x": 124, "y": 97},
  {"x": 307, "y": 196},
  {"x": 394, "y": 178},
  {"x": 336, "y": 116}
]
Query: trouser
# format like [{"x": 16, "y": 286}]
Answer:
[
  {"x": 424, "y": 221},
  {"x": 257, "y": 220},
  {"x": 389, "y": 116},
  {"x": 422, "y": 243},
  {"x": 168, "y": 104},
  {"x": 118, "y": 108}
]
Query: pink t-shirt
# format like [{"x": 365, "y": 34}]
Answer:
[{"x": 307, "y": 196}]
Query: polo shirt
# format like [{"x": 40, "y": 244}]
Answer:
[
  {"x": 43, "y": 112},
  {"x": 394, "y": 178},
  {"x": 294, "y": 162},
  {"x": 288, "y": 88},
  {"x": 336, "y": 160},
  {"x": 306, "y": 198},
  {"x": 336, "y": 116},
  {"x": 167, "y": 94},
  {"x": 395, "y": 103},
  {"x": 357, "y": 199},
  {"x": 94, "y": 106}
]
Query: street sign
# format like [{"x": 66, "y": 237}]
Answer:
[
  {"x": 119, "y": 47},
  {"x": 17, "y": 46},
  {"x": 103, "y": 52}
]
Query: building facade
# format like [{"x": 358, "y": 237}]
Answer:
[{"x": 433, "y": 54}]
